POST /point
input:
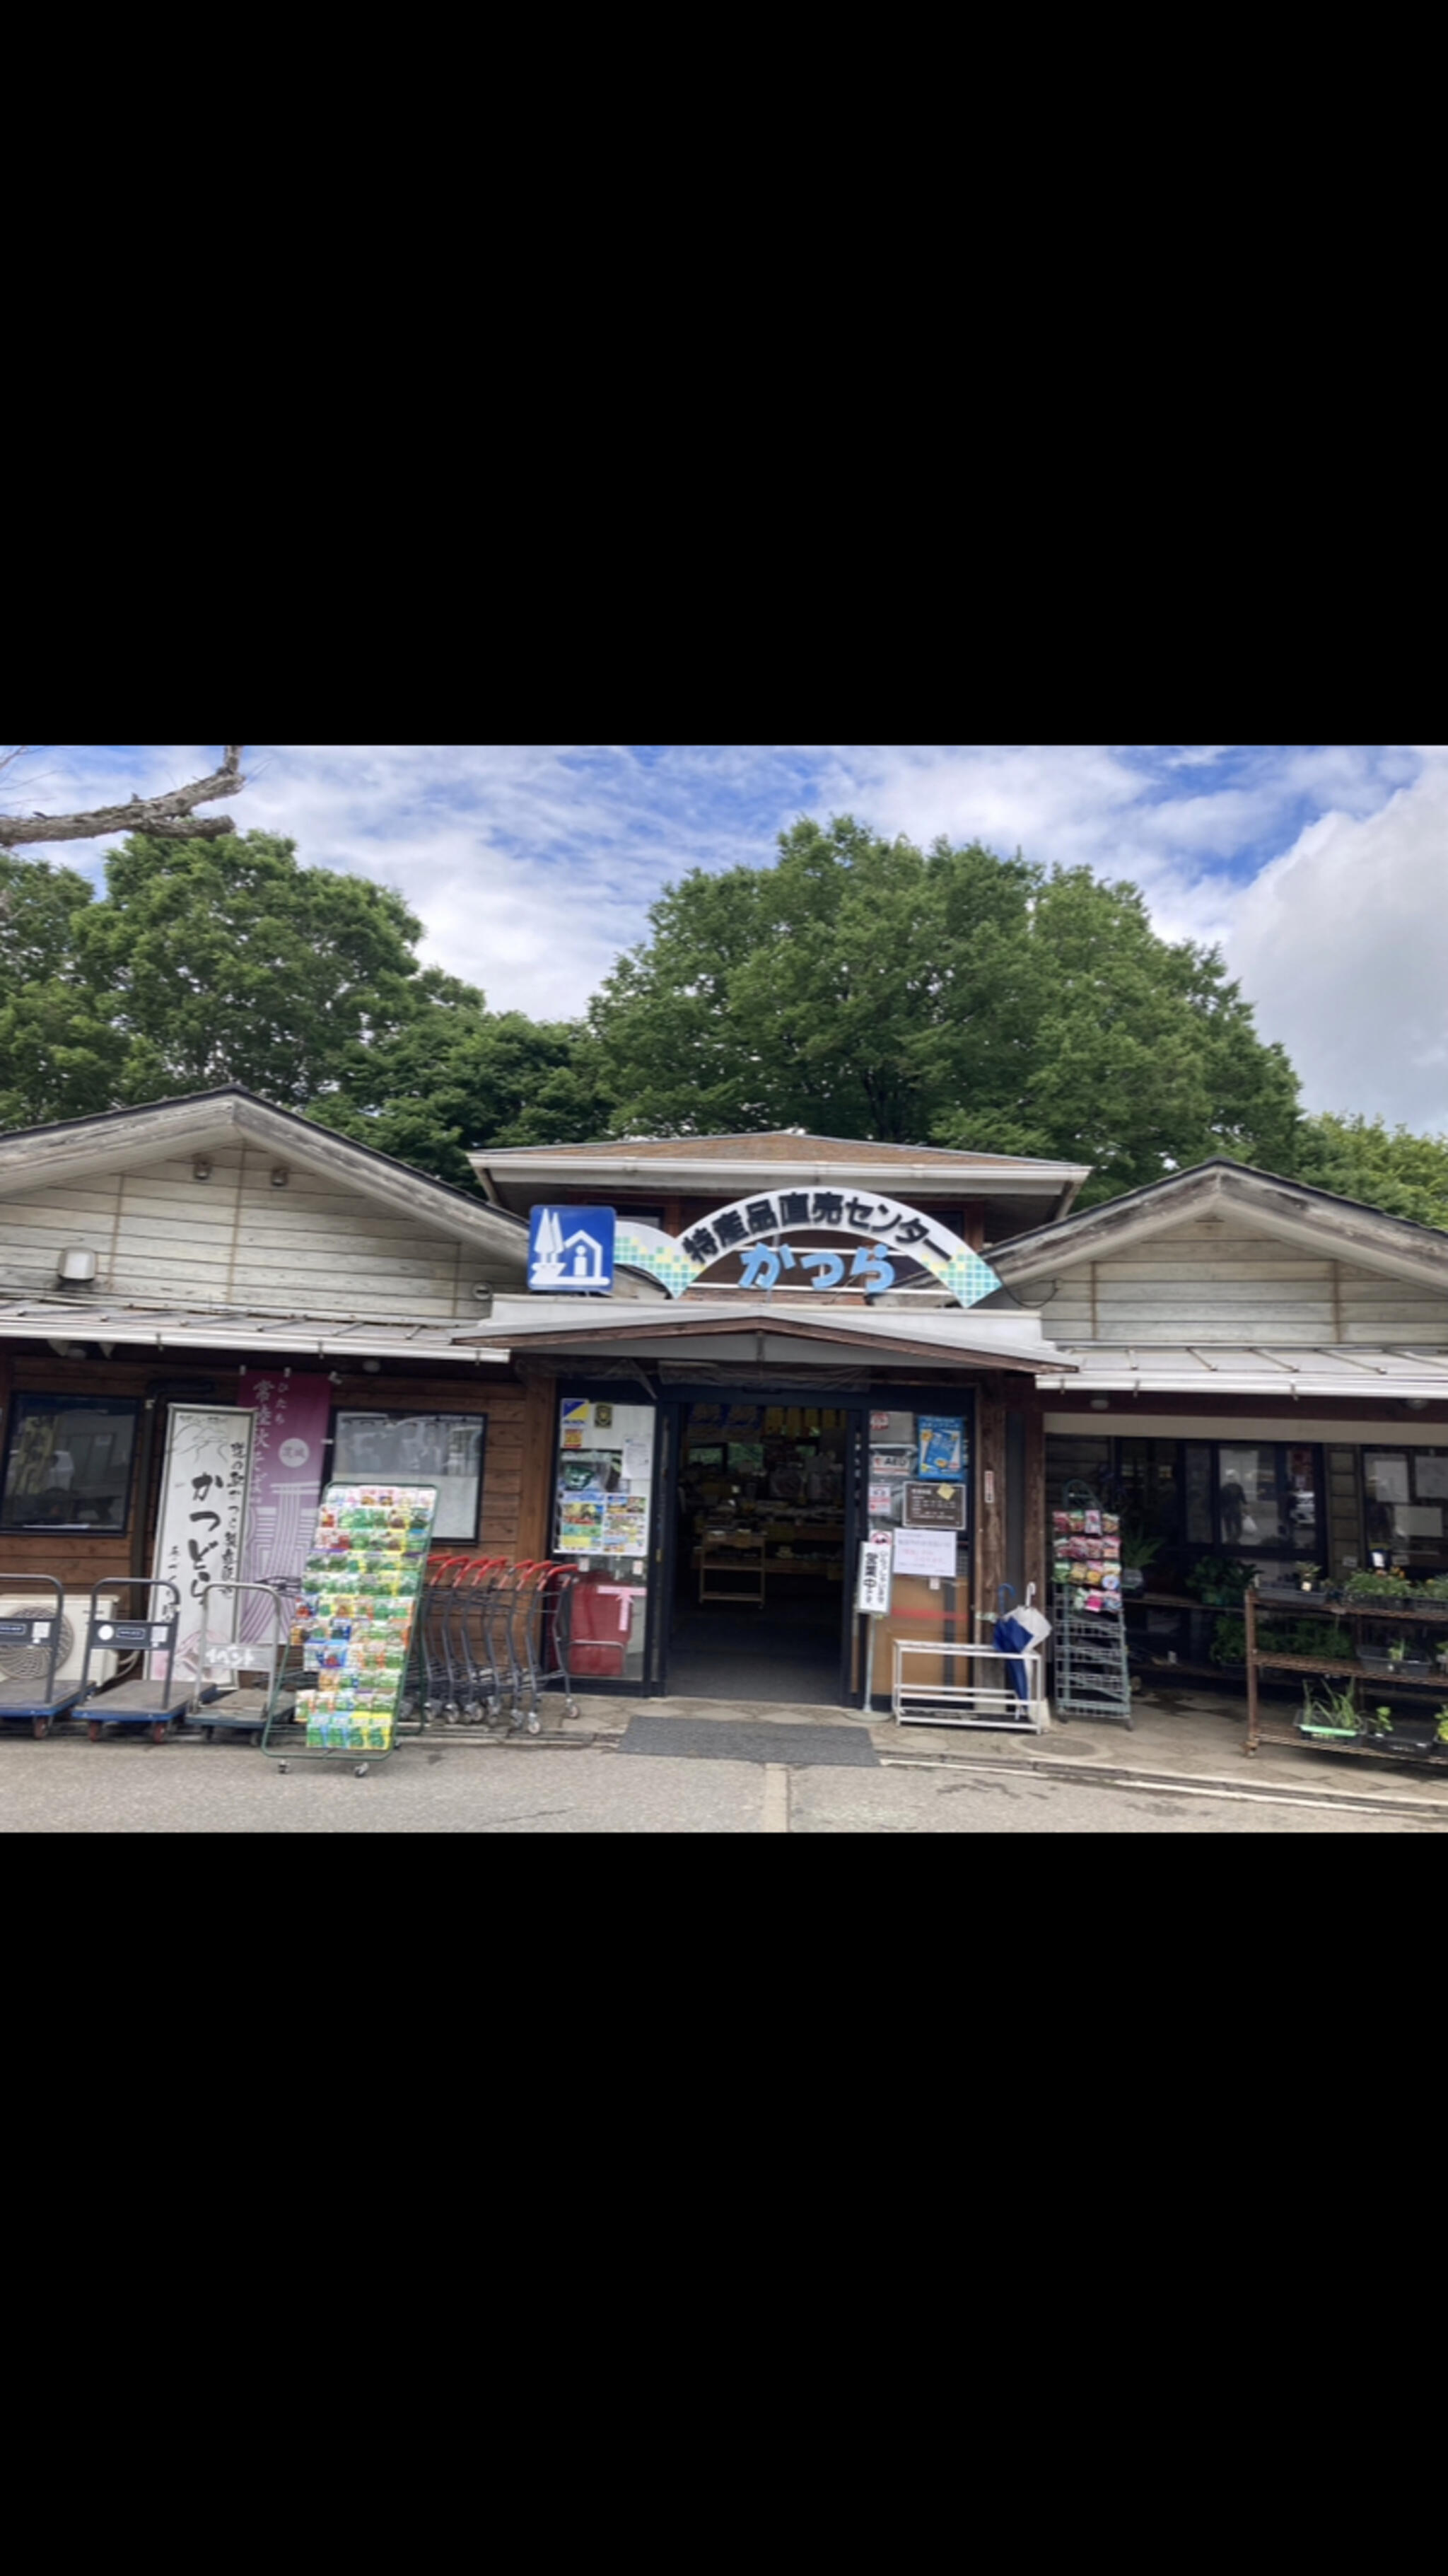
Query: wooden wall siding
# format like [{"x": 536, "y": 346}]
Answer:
[
  {"x": 990, "y": 1555},
  {"x": 161, "y": 1234},
  {"x": 80, "y": 1561},
  {"x": 1237, "y": 1285}
]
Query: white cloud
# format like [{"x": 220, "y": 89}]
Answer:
[
  {"x": 1342, "y": 943},
  {"x": 1320, "y": 868}
]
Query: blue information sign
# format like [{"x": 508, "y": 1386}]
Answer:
[{"x": 570, "y": 1249}]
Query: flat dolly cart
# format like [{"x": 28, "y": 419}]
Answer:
[
  {"x": 32, "y": 1642},
  {"x": 159, "y": 1705},
  {"x": 220, "y": 1705}
]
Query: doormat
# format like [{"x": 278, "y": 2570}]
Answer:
[{"x": 719, "y": 1739}]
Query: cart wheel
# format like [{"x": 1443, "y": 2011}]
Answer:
[
  {"x": 535, "y": 1723},
  {"x": 281, "y": 1766},
  {"x": 159, "y": 1731},
  {"x": 211, "y": 1735},
  {"x": 95, "y": 1730},
  {"x": 570, "y": 1708},
  {"x": 361, "y": 1771},
  {"x": 40, "y": 1728}
]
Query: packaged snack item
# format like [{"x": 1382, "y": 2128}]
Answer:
[
  {"x": 1093, "y": 1524},
  {"x": 1077, "y": 1521},
  {"x": 1061, "y": 1523},
  {"x": 1111, "y": 1579},
  {"x": 1093, "y": 1600},
  {"x": 1094, "y": 1571},
  {"x": 1111, "y": 1550},
  {"x": 1078, "y": 1573},
  {"x": 1111, "y": 1524},
  {"x": 1061, "y": 1570}
]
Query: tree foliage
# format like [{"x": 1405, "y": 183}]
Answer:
[
  {"x": 1388, "y": 1168},
  {"x": 863, "y": 987}
]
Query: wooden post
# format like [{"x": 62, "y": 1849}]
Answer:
[
  {"x": 535, "y": 1498},
  {"x": 1249, "y": 1621},
  {"x": 991, "y": 1547},
  {"x": 1036, "y": 1497}
]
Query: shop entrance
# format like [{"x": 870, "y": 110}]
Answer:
[{"x": 765, "y": 1507}]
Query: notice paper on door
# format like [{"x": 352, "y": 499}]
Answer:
[{"x": 924, "y": 1551}]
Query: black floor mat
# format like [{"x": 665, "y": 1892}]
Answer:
[{"x": 723, "y": 1739}]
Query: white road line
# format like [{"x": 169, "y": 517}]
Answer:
[{"x": 776, "y": 1798}]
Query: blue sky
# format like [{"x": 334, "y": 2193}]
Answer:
[{"x": 1321, "y": 869}]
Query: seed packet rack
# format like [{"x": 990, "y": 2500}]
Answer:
[
  {"x": 361, "y": 1587},
  {"x": 1092, "y": 1675}
]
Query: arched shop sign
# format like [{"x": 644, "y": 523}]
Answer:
[{"x": 758, "y": 1229}]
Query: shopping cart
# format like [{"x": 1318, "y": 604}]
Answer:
[{"x": 538, "y": 1632}]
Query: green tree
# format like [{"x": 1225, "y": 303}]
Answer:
[
  {"x": 1388, "y": 1168},
  {"x": 225, "y": 961},
  {"x": 458, "y": 1076},
  {"x": 862, "y": 987},
  {"x": 59, "y": 1054}
]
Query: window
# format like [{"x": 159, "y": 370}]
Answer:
[
  {"x": 68, "y": 1464},
  {"x": 1404, "y": 1494},
  {"x": 1267, "y": 1498},
  {"x": 441, "y": 1449}
]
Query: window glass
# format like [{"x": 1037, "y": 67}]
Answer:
[
  {"x": 1404, "y": 1492},
  {"x": 68, "y": 1464},
  {"x": 441, "y": 1449},
  {"x": 1199, "y": 1493},
  {"x": 1249, "y": 1510}
]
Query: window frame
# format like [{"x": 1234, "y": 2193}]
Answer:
[
  {"x": 24, "y": 1401},
  {"x": 394, "y": 1413}
]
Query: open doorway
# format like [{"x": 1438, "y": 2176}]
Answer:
[{"x": 762, "y": 1520}]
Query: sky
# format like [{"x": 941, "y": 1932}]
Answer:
[{"x": 1320, "y": 869}]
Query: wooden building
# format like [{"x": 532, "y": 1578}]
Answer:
[{"x": 795, "y": 1349}]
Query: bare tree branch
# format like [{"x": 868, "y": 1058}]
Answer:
[{"x": 166, "y": 818}]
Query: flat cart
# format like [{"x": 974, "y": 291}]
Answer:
[
  {"x": 144, "y": 1700},
  {"x": 33, "y": 1639},
  {"x": 219, "y": 1704}
]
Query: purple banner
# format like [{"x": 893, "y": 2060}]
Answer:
[{"x": 292, "y": 1414}]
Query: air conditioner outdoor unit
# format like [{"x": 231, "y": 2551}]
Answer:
[{"x": 28, "y": 1663}]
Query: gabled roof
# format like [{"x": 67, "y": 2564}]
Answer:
[
  {"x": 1313, "y": 1220},
  {"x": 201, "y": 1121},
  {"x": 771, "y": 1145},
  {"x": 717, "y": 1168}
]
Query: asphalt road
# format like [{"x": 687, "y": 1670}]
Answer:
[{"x": 130, "y": 1786}]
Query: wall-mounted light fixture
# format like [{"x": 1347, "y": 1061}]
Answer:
[
  {"x": 201, "y": 1168},
  {"x": 280, "y": 1177},
  {"x": 1101, "y": 1404},
  {"x": 76, "y": 1267},
  {"x": 372, "y": 1367}
]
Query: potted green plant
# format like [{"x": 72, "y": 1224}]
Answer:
[
  {"x": 1375, "y": 1583},
  {"x": 1138, "y": 1551},
  {"x": 1331, "y": 1717}
]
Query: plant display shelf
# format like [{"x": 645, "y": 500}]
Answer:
[{"x": 1336, "y": 1667}]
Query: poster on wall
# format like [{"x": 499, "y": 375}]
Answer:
[
  {"x": 604, "y": 1481},
  {"x": 205, "y": 1482},
  {"x": 292, "y": 1413},
  {"x": 935, "y": 1506},
  {"x": 919, "y": 1551},
  {"x": 942, "y": 1448}
]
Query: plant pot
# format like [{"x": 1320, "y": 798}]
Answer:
[
  {"x": 1283, "y": 1596},
  {"x": 1328, "y": 1734}
]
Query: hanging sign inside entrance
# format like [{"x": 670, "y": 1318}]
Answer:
[
  {"x": 757, "y": 1230},
  {"x": 872, "y": 1593}
]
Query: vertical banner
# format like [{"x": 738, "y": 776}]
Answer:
[
  {"x": 202, "y": 1520},
  {"x": 292, "y": 1414}
]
